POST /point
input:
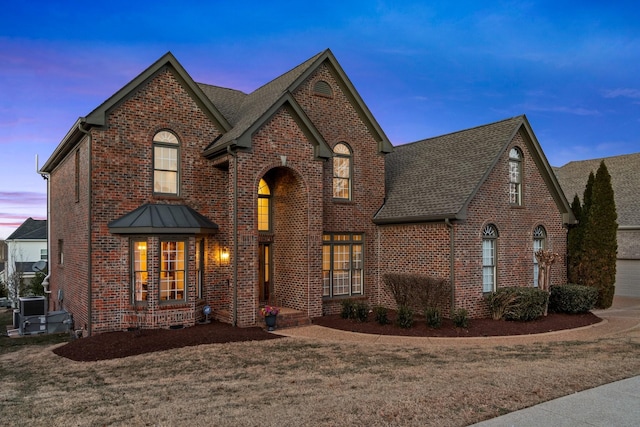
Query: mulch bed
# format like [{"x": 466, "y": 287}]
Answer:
[
  {"x": 477, "y": 327},
  {"x": 112, "y": 345}
]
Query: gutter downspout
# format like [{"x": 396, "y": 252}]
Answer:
[
  {"x": 89, "y": 226},
  {"x": 45, "y": 282},
  {"x": 235, "y": 234},
  {"x": 452, "y": 275}
]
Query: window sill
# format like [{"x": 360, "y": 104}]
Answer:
[{"x": 345, "y": 297}]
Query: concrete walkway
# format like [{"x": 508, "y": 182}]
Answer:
[{"x": 615, "y": 404}]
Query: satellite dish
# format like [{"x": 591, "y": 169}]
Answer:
[{"x": 39, "y": 266}]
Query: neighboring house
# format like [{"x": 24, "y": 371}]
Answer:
[
  {"x": 625, "y": 180},
  {"x": 26, "y": 246},
  {"x": 173, "y": 195}
]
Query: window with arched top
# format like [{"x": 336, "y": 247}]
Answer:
[
  {"x": 342, "y": 172},
  {"x": 539, "y": 242},
  {"x": 489, "y": 258},
  {"x": 264, "y": 206},
  {"x": 515, "y": 176},
  {"x": 166, "y": 152}
]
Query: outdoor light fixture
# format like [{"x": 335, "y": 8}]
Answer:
[{"x": 224, "y": 255}]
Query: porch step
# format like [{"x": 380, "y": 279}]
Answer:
[{"x": 289, "y": 318}]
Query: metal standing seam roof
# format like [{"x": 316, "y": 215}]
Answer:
[
  {"x": 625, "y": 180},
  {"x": 163, "y": 219},
  {"x": 435, "y": 178}
]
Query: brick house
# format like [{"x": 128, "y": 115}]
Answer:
[{"x": 173, "y": 195}]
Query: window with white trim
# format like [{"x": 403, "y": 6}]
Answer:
[
  {"x": 515, "y": 176},
  {"x": 140, "y": 273},
  {"x": 173, "y": 261},
  {"x": 341, "y": 172},
  {"x": 166, "y": 152},
  {"x": 489, "y": 262},
  {"x": 342, "y": 264},
  {"x": 539, "y": 240}
]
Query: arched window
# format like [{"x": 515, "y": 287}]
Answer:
[
  {"x": 539, "y": 242},
  {"x": 166, "y": 152},
  {"x": 264, "y": 206},
  {"x": 489, "y": 258},
  {"x": 515, "y": 176},
  {"x": 341, "y": 172}
]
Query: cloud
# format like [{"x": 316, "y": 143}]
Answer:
[
  {"x": 622, "y": 93},
  {"x": 578, "y": 111},
  {"x": 22, "y": 198}
]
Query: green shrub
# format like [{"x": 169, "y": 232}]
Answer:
[
  {"x": 460, "y": 318},
  {"x": 347, "y": 309},
  {"x": 500, "y": 302},
  {"x": 529, "y": 304},
  {"x": 572, "y": 298},
  {"x": 360, "y": 312},
  {"x": 381, "y": 315},
  {"x": 405, "y": 317},
  {"x": 433, "y": 317}
]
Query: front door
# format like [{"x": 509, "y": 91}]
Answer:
[{"x": 264, "y": 272}]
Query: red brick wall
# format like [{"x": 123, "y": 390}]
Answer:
[
  {"x": 69, "y": 222},
  {"x": 122, "y": 181},
  {"x": 414, "y": 248},
  {"x": 515, "y": 227},
  {"x": 425, "y": 248},
  {"x": 338, "y": 121}
]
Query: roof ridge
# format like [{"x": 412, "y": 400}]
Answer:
[
  {"x": 460, "y": 131},
  {"x": 595, "y": 159}
]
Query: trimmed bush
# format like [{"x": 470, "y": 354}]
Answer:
[
  {"x": 417, "y": 291},
  {"x": 405, "y": 317},
  {"x": 460, "y": 318},
  {"x": 433, "y": 317},
  {"x": 529, "y": 304},
  {"x": 381, "y": 315},
  {"x": 347, "y": 308},
  {"x": 572, "y": 298},
  {"x": 361, "y": 312}
]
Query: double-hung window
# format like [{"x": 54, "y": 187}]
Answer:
[
  {"x": 342, "y": 264},
  {"x": 166, "y": 152},
  {"x": 341, "y": 172},
  {"x": 539, "y": 237},
  {"x": 489, "y": 237},
  {"x": 173, "y": 263},
  {"x": 140, "y": 271},
  {"x": 515, "y": 176}
]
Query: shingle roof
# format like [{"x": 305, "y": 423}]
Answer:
[
  {"x": 244, "y": 111},
  {"x": 162, "y": 219},
  {"x": 31, "y": 229},
  {"x": 625, "y": 180},
  {"x": 435, "y": 178}
]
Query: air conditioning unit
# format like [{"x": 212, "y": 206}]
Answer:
[
  {"x": 33, "y": 306},
  {"x": 30, "y": 325},
  {"x": 59, "y": 322}
]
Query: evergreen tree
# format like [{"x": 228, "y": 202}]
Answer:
[
  {"x": 574, "y": 243},
  {"x": 599, "y": 238}
]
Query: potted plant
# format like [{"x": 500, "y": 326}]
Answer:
[{"x": 270, "y": 314}]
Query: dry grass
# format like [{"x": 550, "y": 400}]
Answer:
[{"x": 294, "y": 381}]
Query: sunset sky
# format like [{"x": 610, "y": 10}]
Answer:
[{"x": 423, "y": 68}]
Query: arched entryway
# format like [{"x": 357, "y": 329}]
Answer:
[{"x": 283, "y": 239}]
